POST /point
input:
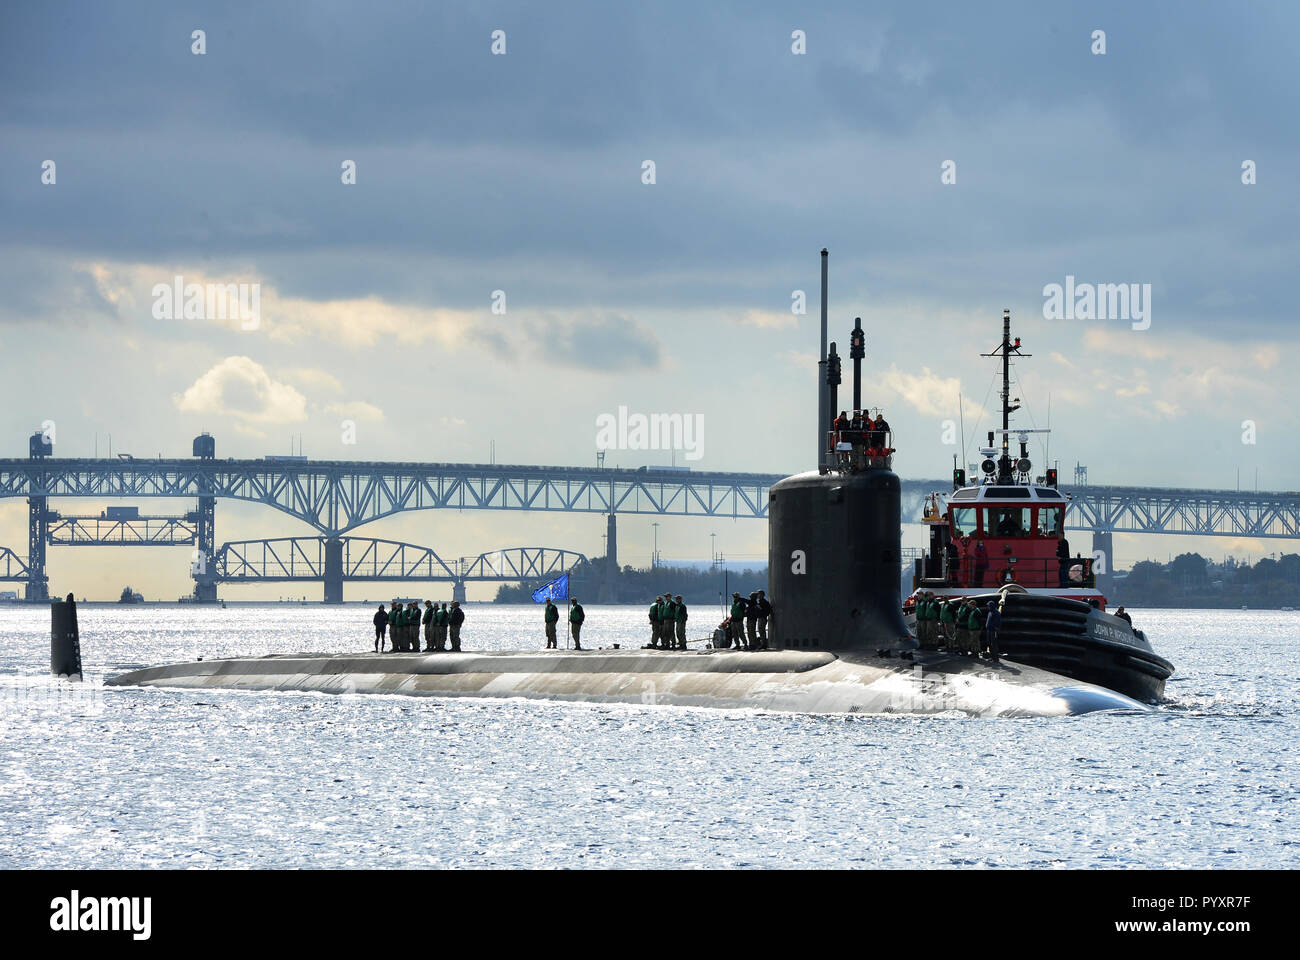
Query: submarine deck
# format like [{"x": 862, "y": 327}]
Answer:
[{"x": 778, "y": 680}]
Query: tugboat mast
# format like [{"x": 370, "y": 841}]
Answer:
[{"x": 1005, "y": 349}]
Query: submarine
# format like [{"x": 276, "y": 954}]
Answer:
[{"x": 838, "y": 641}]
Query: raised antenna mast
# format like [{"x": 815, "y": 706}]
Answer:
[
  {"x": 1004, "y": 350},
  {"x": 824, "y": 415},
  {"x": 857, "y": 350}
]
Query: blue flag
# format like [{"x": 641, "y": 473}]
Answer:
[{"x": 557, "y": 589}]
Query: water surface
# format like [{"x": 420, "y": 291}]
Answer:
[{"x": 124, "y": 777}]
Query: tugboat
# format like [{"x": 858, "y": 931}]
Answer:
[{"x": 1001, "y": 539}]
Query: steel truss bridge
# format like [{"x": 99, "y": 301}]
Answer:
[
  {"x": 336, "y": 497},
  {"x": 72, "y": 531},
  {"x": 289, "y": 559}
]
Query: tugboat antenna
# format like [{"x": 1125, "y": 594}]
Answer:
[
  {"x": 1005, "y": 349},
  {"x": 962, "y": 417}
]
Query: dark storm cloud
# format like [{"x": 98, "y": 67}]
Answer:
[
  {"x": 586, "y": 73},
  {"x": 604, "y": 344},
  {"x": 39, "y": 289},
  {"x": 522, "y": 172}
]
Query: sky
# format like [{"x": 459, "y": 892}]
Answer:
[{"x": 500, "y": 274}]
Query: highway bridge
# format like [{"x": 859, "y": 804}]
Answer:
[{"x": 336, "y": 497}]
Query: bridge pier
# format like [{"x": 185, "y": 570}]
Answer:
[
  {"x": 1103, "y": 553},
  {"x": 458, "y": 591},
  {"x": 38, "y": 525},
  {"x": 203, "y": 571},
  {"x": 609, "y": 582},
  {"x": 334, "y": 570}
]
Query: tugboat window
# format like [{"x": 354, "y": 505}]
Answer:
[
  {"x": 1010, "y": 521},
  {"x": 1051, "y": 521},
  {"x": 963, "y": 521},
  {"x": 1010, "y": 493}
]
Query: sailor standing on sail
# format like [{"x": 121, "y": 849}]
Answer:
[{"x": 681, "y": 622}]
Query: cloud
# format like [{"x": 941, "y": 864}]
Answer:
[
  {"x": 804, "y": 359},
  {"x": 1129, "y": 343},
  {"x": 766, "y": 319},
  {"x": 1062, "y": 359},
  {"x": 127, "y": 289},
  {"x": 312, "y": 377},
  {"x": 1182, "y": 373},
  {"x": 928, "y": 393},
  {"x": 240, "y": 388},
  {"x": 1267, "y": 357},
  {"x": 355, "y": 409},
  {"x": 366, "y": 321},
  {"x": 608, "y": 343}
]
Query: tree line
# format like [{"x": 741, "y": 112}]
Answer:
[
  {"x": 1191, "y": 580},
  {"x": 698, "y": 587}
]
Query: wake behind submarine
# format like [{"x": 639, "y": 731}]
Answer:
[{"x": 838, "y": 639}]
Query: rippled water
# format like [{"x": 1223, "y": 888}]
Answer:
[{"x": 96, "y": 777}]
